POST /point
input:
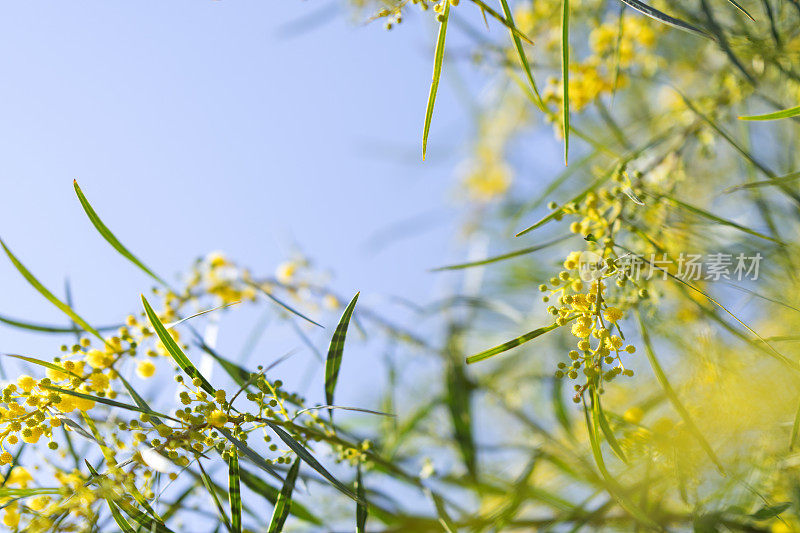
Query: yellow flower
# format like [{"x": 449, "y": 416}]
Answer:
[
  {"x": 19, "y": 476},
  {"x": 217, "y": 418},
  {"x": 145, "y": 369},
  {"x": 286, "y": 271},
  {"x": 99, "y": 382},
  {"x": 633, "y": 415},
  {"x": 11, "y": 518},
  {"x": 26, "y": 383},
  {"x": 612, "y": 314},
  {"x": 98, "y": 359}
]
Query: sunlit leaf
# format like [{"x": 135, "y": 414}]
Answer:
[
  {"x": 437, "y": 72},
  {"x": 110, "y": 237},
  {"x": 284, "y": 503},
  {"x": 333, "y": 362}
]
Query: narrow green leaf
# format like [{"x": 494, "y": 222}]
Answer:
[
  {"x": 210, "y": 489},
  {"x": 234, "y": 492},
  {"x": 286, "y": 306},
  {"x": 523, "y": 59},
  {"x": 557, "y": 212},
  {"x": 123, "y": 524},
  {"x": 613, "y": 487},
  {"x": 137, "y": 398},
  {"x": 502, "y": 257},
  {"x": 508, "y": 22},
  {"x": 513, "y": 343},
  {"x": 786, "y": 113},
  {"x": 45, "y": 364},
  {"x": 770, "y": 511},
  {"x": 251, "y": 454},
  {"x": 110, "y": 238},
  {"x": 47, "y": 328},
  {"x": 602, "y": 421},
  {"x": 306, "y": 456},
  {"x": 106, "y": 401},
  {"x": 270, "y": 493},
  {"x": 740, "y": 8},
  {"x": 67, "y": 310},
  {"x": 794, "y": 176},
  {"x": 174, "y": 350},
  {"x": 795, "y": 429},
  {"x": 333, "y": 362},
  {"x": 361, "y": 505},
  {"x": 719, "y": 220},
  {"x": 437, "y": 72},
  {"x": 673, "y": 397},
  {"x": 284, "y": 503},
  {"x": 565, "y": 74},
  {"x": 655, "y": 14}
]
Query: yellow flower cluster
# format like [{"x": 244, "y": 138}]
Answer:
[{"x": 89, "y": 373}]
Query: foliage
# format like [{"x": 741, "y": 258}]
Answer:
[{"x": 701, "y": 433}]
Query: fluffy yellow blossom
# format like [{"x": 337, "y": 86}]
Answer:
[
  {"x": 98, "y": 359},
  {"x": 26, "y": 383},
  {"x": 145, "y": 369},
  {"x": 633, "y": 415},
  {"x": 612, "y": 314},
  {"x": 217, "y": 418},
  {"x": 286, "y": 271},
  {"x": 11, "y": 518}
]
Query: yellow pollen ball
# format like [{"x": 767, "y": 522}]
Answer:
[
  {"x": 145, "y": 369},
  {"x": 217, "y": 418},
  {"x": 26, "y": 383},
  {"x": 612, "y": 314}
]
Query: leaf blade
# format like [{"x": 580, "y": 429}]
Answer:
[{"x": 437, "y": 72}]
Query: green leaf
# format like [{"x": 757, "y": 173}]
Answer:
[
  {"x": 794, "y": 176},
  {"x": 508, "y": 22},
  {"x": 361, "y": 505},
  {"x": 719, "y": 220},
  {"x": 795, "y": 429},
  {"x": 67, "y": 310},
  {"x": 770, "y": 511},
  {"x": 106, "y": 401},
  {"x": 673, "y": 397},
  {"x": 523, "y": 59},
  {"x": 210, "y": 489},
  {"x": 740, "y": 8},
  {"x": 306, "y": 456},
  {"x": 110, "y": 238},
  {"x": 565, "y": 74},
  {"x": 334, "y": 360},
  {"x": 557, "y": 212},
  {"x": 285, "y": 305},
  {"x": 611, "y": 484},
  {"x": 47, "y": 328},
  {"x": 513, "y": 343},
  {"x": 123, "y": 524},
  {"x": 234, "y": 492},
  {"x": 786, "y": 113},
  {"x": 251, "y": 454},
  {"x": 655, "y": 14},
  {"x": 437, "y": 72},
  {"x": 270, "y": 493},
  {"x": 137, "y": 398},
  {"x": 284, "y": 503},
  {"x": 602, "y": 421},
  {"x": 45, "y": 364},
  {"x": 502, "y": 257},
  {"x": 174, "y": 350}
]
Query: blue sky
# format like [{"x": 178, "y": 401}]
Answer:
[{"x": 197, "y": 126}]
